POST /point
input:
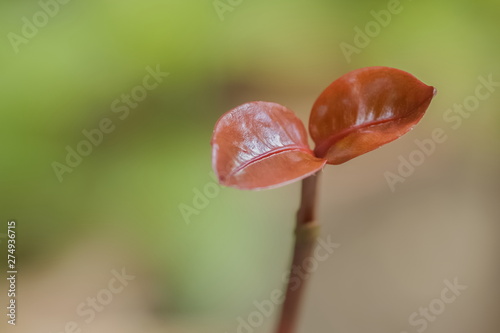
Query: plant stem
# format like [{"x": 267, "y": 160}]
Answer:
[{"x": 306, "y": 233}]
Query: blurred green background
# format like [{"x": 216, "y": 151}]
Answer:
[{"x": 121, "y": 206}]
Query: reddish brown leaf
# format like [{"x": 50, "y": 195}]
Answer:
[
  {"x": 365, "y": 109},
  {"x": 261, "y": 145}
]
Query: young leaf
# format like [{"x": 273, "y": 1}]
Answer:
[
  {"x": 365, "y": 109},
  {"x": 261, "y": 145}
]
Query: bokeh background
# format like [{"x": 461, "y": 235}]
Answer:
[{"x": 121, "y": 206}]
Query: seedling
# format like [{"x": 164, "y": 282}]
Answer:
[{"x": 262, "y": 145}]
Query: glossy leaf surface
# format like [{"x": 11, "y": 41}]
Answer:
[
  {"x": 261, "y": 145},
  {"x": 365, "y": 109}
]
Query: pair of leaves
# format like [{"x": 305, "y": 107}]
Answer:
[{"x": 261, "y": 145}]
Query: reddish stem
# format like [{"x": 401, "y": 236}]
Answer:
[{"x": 305, "y": 239}]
